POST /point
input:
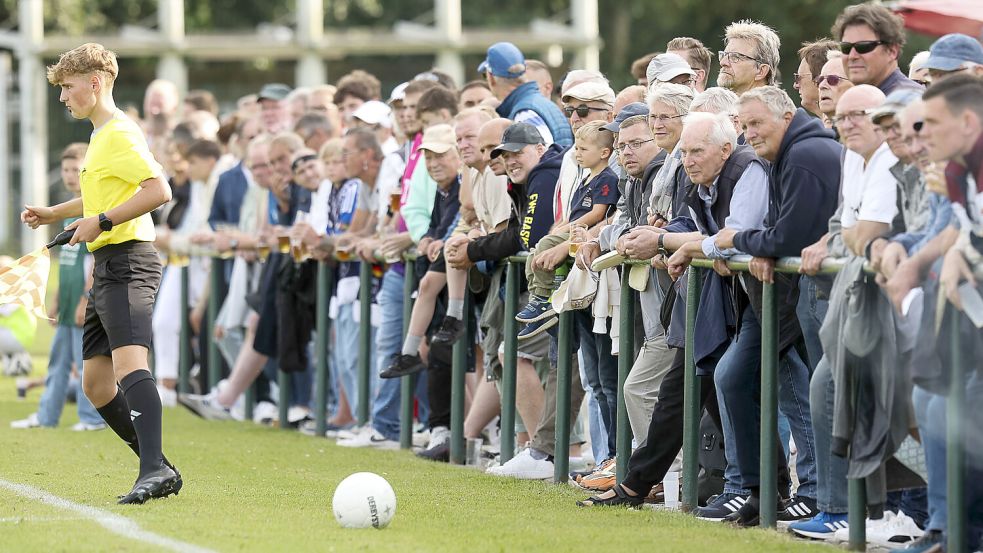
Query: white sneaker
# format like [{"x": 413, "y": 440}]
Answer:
[
  {"x": 84, "y": 427},
  {"x": 438, "y": 435},
  {"x": 206, "y": 407},
  {"x": 578, "y": 464},
  {"x": 524, "y": 467},
  {"x": 265, "y": 412},
  {"x": 30, "y": 422},
  {"x": 369, "y": 439},
  {"x": 890, "y": 531},
  {"x": 168, "y": 397},
  {"x": 297, "y": 413},
  {"x": 423, "y": 437}
]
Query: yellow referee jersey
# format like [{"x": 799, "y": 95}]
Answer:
[{"x": 115, "y": 164}]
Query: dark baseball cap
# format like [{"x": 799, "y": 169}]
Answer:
[
  {"x": 631, "y": 110},
  {"x": 273, "y": 91},
  {"x": 516, "y": 137}
]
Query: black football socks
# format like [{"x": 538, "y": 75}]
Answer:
[
  {"x": 145, "y": 412},
  {"x": 116, "y": 413}
]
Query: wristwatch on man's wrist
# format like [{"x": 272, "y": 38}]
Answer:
[
  {"x": 662, "y": 246},
  {"x": 105, "y": 224}
]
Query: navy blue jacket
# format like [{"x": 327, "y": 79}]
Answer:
[
  {"x": 532, "y": 212},
  {"x": 803, "y": 193},
  {"x": 229, "y": 193},
  {"x": 528, "y": 97}
]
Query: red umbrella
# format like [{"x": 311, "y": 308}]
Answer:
[{"x": 940, "y": 17}]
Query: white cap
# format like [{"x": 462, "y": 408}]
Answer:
[{"x": 374, "y": 112}]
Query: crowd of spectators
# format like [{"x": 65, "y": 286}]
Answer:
[{"x": 880, "y": 169}]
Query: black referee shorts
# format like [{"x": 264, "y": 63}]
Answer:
[{"x": 121, "y": 304}]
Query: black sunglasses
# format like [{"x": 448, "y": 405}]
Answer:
[
  {"x": 581, "y": 110},
  {"x": 863, "y": 47},
  {"x": 833, "y": 80}
]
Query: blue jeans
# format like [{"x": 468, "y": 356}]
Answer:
[
  {"x": 738, "y": 382},
  {"x": 598, "y": 435},
  {"x": 66, "y": 347},
  {"x": 345, "y": 353},
  {"x": 601, "y": 370},
  {"x": 388, "y": 344},
  {"x": 811, "y": 312},
  {"x": 831, "y": 469}
]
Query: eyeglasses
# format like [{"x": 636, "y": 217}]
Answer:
[
  {"x": 863, "y": 47},
  {"x": 926, "y": 84},
  {"x": 666, "y": 118},
  {"x": 851, "y": 116},
  {"x": 582, "y": 110},
  {"x": 634, "y": 145},
  {"x": 833, "y": 80},
  {"x": 733, "y": 57},
  {"x": 796, "y": 77}
]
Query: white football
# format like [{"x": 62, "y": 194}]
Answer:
[{"x": 364, "y": 500}]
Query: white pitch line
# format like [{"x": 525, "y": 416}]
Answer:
[{"x": 114, "y": 523}]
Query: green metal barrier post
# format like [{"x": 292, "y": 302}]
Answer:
[
  {"x": 510, "y": 361},
  {"x": 955, "y": 448},
  {"x": 283, "y": 379},
  {"x": 217, "y": 267},
  {"x": 691, "y": 396},
  {"x": 564, "y": 370},
  {"x": 184, "y": 351},
  {"x": 458, "y": 370},
  {"x": 769, "y": 405},
  {"x": 857, "y": 514},
  {"x": 325, "y": 276},
  {"x": 625, "y": 360},
  {"x": 364, "y": 340},
  {"x": 406, "y": 383}
]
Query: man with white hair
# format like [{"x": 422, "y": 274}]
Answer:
[
  {"x": 803, "y": 193},
  {"x": 749, "y": 58}
]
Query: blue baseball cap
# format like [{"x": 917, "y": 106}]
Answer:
[
  {"x": 504, "y": 59},
  {"x": 631, "y": 110},
  {"x": 949, "y": 52}
]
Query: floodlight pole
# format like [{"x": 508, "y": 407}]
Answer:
[
  {"x": 34, "y": 121},
  {"x": 310, "y": 69},
  {"x": 447, "y": 16},
  {"x": 171, "y": 66}
]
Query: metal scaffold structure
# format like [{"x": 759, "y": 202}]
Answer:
[{"x": 308, "y": 43}]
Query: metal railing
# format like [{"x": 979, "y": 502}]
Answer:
[{"x": 957, "y": 517}]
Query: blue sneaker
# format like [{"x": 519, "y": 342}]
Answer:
[
  {"x": 820, "y": 527},
  {"x": 538, "y": 327},
  {"x": 537, "y": 309}
]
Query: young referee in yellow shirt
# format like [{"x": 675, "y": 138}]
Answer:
[{"x": 121, "y": 185}]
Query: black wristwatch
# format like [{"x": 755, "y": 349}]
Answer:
[
  {"x": 104, "y": 223},
  {"x": 662, "y": 246}
]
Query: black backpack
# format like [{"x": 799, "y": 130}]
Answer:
[{"x": 713, "y": 462}]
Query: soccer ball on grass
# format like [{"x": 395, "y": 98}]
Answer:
[{"x": 364, "y": 500}]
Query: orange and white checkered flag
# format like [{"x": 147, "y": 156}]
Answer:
[{"x": 24, "y": 282}]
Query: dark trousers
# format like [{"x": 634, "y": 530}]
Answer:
[{"x": 648, "y": 464}]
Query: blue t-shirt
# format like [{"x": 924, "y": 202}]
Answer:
[
  {"x": 341, "y": 210},
  {"x": 602, "y": 189}
]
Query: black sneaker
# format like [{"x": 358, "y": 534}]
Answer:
[
  {"x": 933, "y": 541},
  {"x": 449, "y": 332},
  {"x": 403, "y": 365},
  {"x": 747, "y": 515},
  {"x": 440, "y": 453},
  {"x": 159, "y": 483},
  {"x": 720, "y": 507},
  {"x": 798, "y": 508}
]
